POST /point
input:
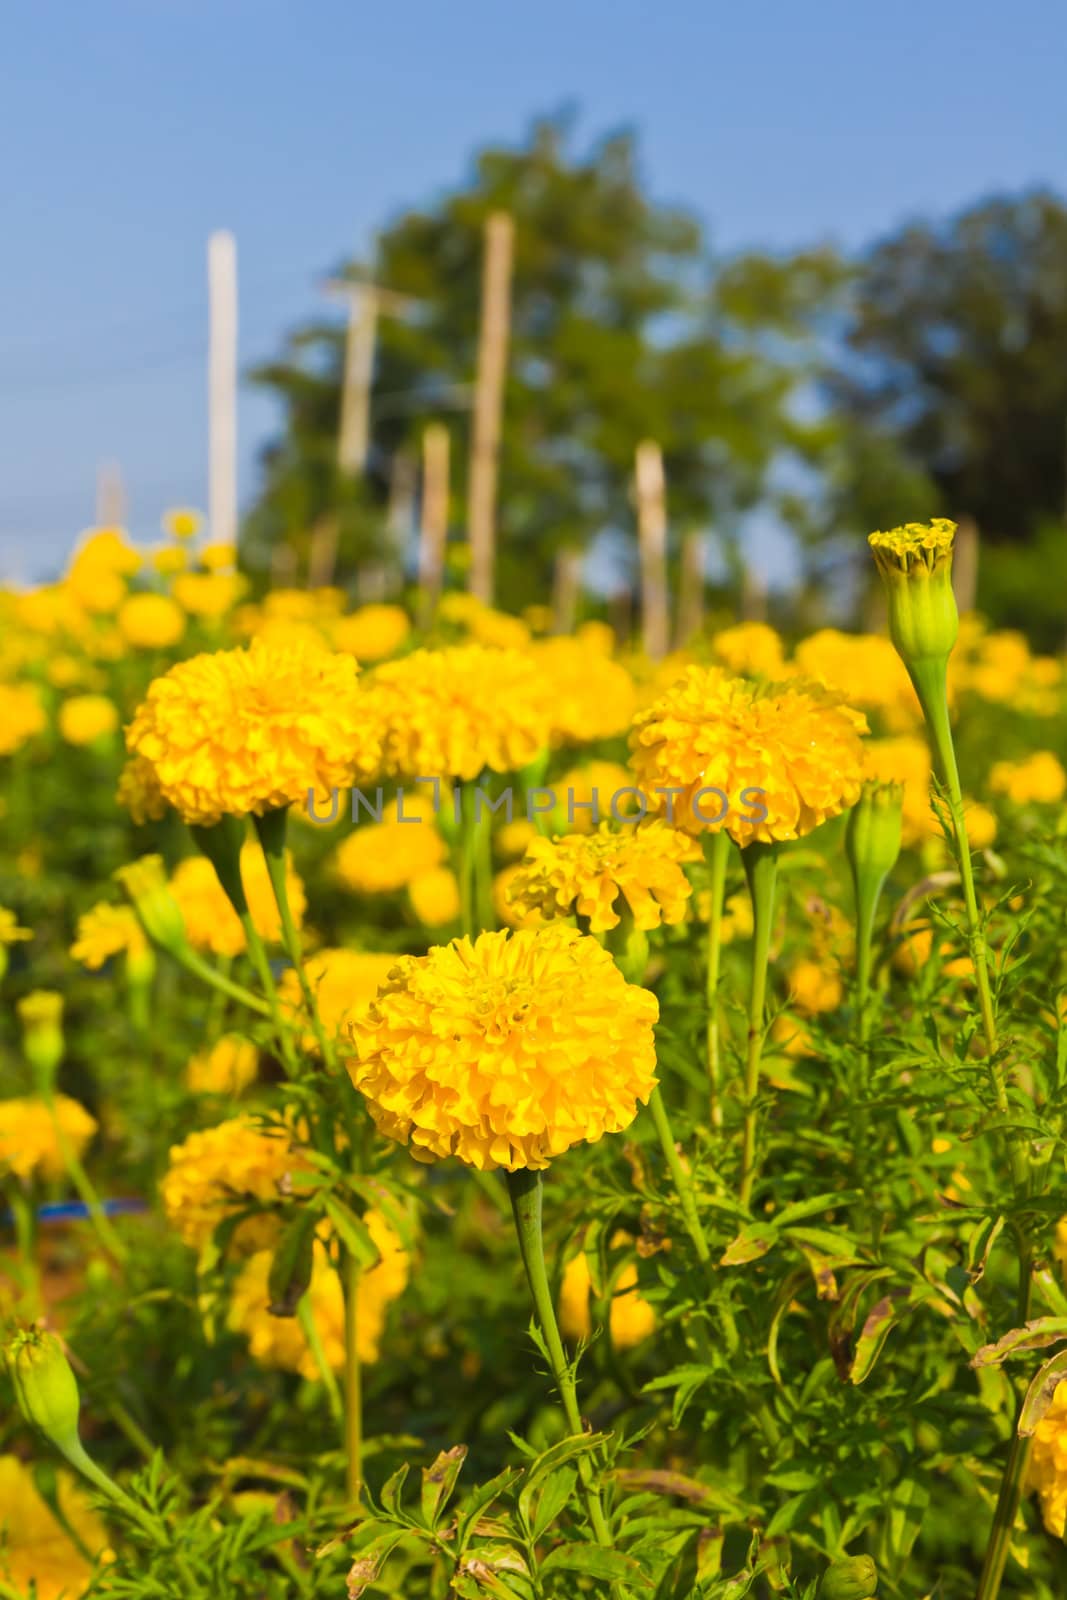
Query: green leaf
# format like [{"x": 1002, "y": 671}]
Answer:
[
  {"x": 876, "y": 1330},
  {"x": 820, "y": 1202},
  {"x": 1038, "y": 1397},
  {"x": 479, "y": 1502},
  {"x": 1034, "y": 1335},
  {"x": 439, "y": 1480},
  {"x": 352, "y": 1231},
  {"x": 392, "y": 1490},
  {"x": 595, "y": 1562},
  {"x": 555, "y": 1493},
  {"x": 751, "y": 1243},
  {"x": 291, "y": 1264},
  {"x": 550, "y": 1461}
]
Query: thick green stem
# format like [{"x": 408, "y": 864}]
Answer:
[
  {"x": 1013, "y": 1483},
  {"x": 761, "y": 872},
  {"x": 306, "y": 1317},
  {"x": 270, "y": 830},
  {"x": 683, "y": 1184},
  {"x": 353, "y": 1381},
  {"x": 716, "y": 854},
  {"x": 222, "y": 984},
  {"x": 527, "y": 1192}
]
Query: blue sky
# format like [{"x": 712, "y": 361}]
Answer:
[{"x": 132, "y": 128}]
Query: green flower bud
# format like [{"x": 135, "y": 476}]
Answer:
[
  {"x": 916, "y": 566},
  {"x": 45, "y": 1387},
  {"x": 145, "y": 881},
  {"x": 41, "y": 1016},
  {"x": 873, "y": 835},
  {"x": 854, "y": 1578}
]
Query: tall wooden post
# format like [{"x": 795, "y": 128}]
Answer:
[
  {"x": 353, "y": 439},
  {"x": 489, "y": 401},
  {"x": 399, "y": 518},
  {"x": 110, "y": 496},
  {"x": 566, "y": 589},
  {"x": 965, "y": 564},
  {"x": 753, "y": 596},
  {"x": 652, "y": 539},
  {"x": 222, "y": 386},
  {"x": 690, "y": 614},
  {"x": 433, "y": 526}
]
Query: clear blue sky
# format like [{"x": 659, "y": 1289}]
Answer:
[{"x": 131, "y": 128}]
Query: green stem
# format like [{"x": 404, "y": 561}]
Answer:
[
  {"x": 353, "y": 1381},
  {"x": 270, "y": 830},
  {"x": 306, "y": 1318},
  {"x": 1016, "y": 1467},
  {"x": 221, "y": 983},
  {"x": 761, "y": 872},
  {"x": 84, "y": 1186},
  {"x": 526, "y": 1188},
  {"x": 716, "y": 854},
  {"x": 683, "y": 1184}
]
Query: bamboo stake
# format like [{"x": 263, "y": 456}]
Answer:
[
  {"x": 566, "y": 589},
  {"x": 489, "y": 401},
  {"x": 652, "y": 538},
  {"x": 965, "y": 564},
  {"x": 690, "y": 615},
  {"x": 433, "y": 526},
  {"x": 222, "y": 386},
  {"x": 110, "y": 496}
]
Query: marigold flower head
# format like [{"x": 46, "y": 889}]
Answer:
[
  {"x": 219, "y": 1171},
  {"x": 589, "y": 695},
  {"x": 380, "y": 857},
  {"x": 372, "y": 633},
  {"x": 497, "y": 629},
  {"x": 814, "y": 986},
  {"x": 105, "y": 931},
  {"x": 796, "y": 743},
  {"x": 905, "y": 760},
  {"x": 506, "y": 1051},
  {"x": 749, "y": 649},
  {"x": 219, "y": 555},
  {"x": 613, "y": 787},
  {"x": 211, "y": 923},
  {"x": 84, "y": 718},
  {"x": 1048, "y": 1463},
  {"x": 208, "y": 594},
  {"x": 865, "y": 668},
  {"x": 37, "y": 1553},
  {"x": 280, "y": 1342},
  {"x": 915, "y": 562},
  {"x": 21, "y": 716},
  {"x": 226, "y": 1067},
  {"x": 1037, "y": 778},
  {"x": 28, "y": 1144},
  {"x": 341, "y": 980},
  {"x": 182, "y": 522},
  {"x": 248, "y": 731},
  {"x": 435, "y": 897},
  {"x": 585, "y": 875},
  {"x": 10, "y": 931},
  {"x": 150, "y": 621},
  {"x": 455, "y": 713},
  {"x": 630, "y": 1317}
]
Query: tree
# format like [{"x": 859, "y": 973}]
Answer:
[
  {"x": 621, "y": 331},
  {"x": 957, "y": 352}
]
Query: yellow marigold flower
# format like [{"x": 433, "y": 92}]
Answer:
[
  {"x": 10, "y": 932},
  {"x": 497, "y": 629},
  {"x": 737, "y": 920},
  {"x": 227, "y": 1067},
  {"x": 905, "y": 760},
  {"x": 380, "y": 857},
  {"x": 574, "y": 795},
  {"x": 506, "y": 1051},
  {"x": 28, "y": 1144},
  {"x": 630, "y": 1317},
  {"x": 507, "y": 913},
  {"x": 106, "y": 931},
  {"x": 589, "y": 695},
  {"x": 150, "y": 621},
  {"x": 279, "y": 1341},
  {"x": 585, "y": 874},
  {"x": 454, "y": 713},
  {"x": 1038, "y": 778},
  {"x": 916, "y": 948},
  {"x": 84, "y": 718},
  {"x": 67, "y": 672},
  {"x": 168, "y": 560},
  {"x": 139, "y": 792},
  {"x": 915, "y": 562},
  {"x": 510, "y": 841},
  {"x": 216, "y": 557},
  {"x": 210, "y": 920},
  {"x": 981, "y": 824},
  {"x": 108, "y": 549},
  {"x": 372, "y": 633},
  {"x": 792, "y": 1036},
  {"x": 865, "y": 669},
  {"x": 813, "y": 987},
  {"x": 914, "y": 544},
  {"x": 797, "y": 744},
  {"x": 21, "y": 716},
  {"x": 96, "y": 590},
  {"x": 250, "y": 730},
  {"x": 37, "y": 1554},
  {"x": 435, "y": 897},
  {"x": 749, "y": 649},
  {"x": 182, "y": 522},
  {"x": 218, "y": 1171},
  {"x": 341, "y": 980},
  {"x": 1048, "y": 1463},
  {"x": 208, "y": 594}
]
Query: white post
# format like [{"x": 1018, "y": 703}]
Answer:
[
  {"x": 489, "y": 401},
  {"x": 110, "y": 496},
  {"x": 652, "y": 540},
  {"x": 222, "y": 386}
]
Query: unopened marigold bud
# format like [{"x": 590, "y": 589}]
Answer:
[
  {"x": 145, "y": 881},
  {"x": 873, "y": 836},
  {"x": 855, "y": 1578},
  {"x": 45, "y": 1387},
  {"x": 916, "y": 566},
  {"x": 41, "y": 1016}
]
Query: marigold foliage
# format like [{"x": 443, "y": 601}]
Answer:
[{"x": 506, "y": 1051}]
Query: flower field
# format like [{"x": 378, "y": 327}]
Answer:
[{"x": 485, "y": 1113}]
